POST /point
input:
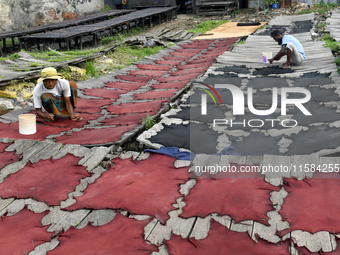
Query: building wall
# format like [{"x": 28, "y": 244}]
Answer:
[{"x": 22, "y": 14}]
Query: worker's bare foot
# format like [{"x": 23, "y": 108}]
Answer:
[
  {"x": 76, "y": 117},
  {"x": 285, "y": 66}
]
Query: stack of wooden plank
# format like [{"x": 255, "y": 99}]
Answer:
[{"x": 171, "y": 35}]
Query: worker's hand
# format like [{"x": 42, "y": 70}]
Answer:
[
  {"x": 50, "y": 117},
  {"x": 271, "y": 60},
  {"x": 76, "y": 117}
]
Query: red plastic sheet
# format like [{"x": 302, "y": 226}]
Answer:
[
  {"x": 204, "y": 42},
  {"x": 91, "y": 105},
  {"x": 176, "y": 58},
  {"x": 312, "y": 205},
  {"x": 224, "y": 44},
  {"x": 195, "y": 46},
  {"x": 104, "y": 93},
  {"x": 190, "y": 55},
  {"x": 7, "y": 157},
  {"x": 133, "y": 78},
  {"x": 229, "y": 41},
  {"x": 168, "y": 62},
  {"x": 147, "y": 73},
  {"x": 66, "y": 122},
  {"x": 188, "y": 50},
  {"x": 153, "y": 67},
  {"x": 199, "y": 42},
  {"x": 202, "y": 60},
  {"x": 205, "y": 64},
  {"x": 95, "y": 136},
  {"x": 244, "y": 198},
  {"x": 136, "y": 107},
  {"x": 48, "y": 180},
  {"x": 22, "y": 232},
  {"x": 156, "y": 94},
  {"x": 179, "y": 77},
  {"x": 211, "y": 55},
  {"x": 12, "y": 131},
  {"x": 211, "y": 52},
  {"x": 120, "y": 236},
  {"x": 207, "y": 57},
  {"x": 170, "y": 85},
  {"x": 189, "y": 71},
  {"x": 222, "y": 241},
  {"x": 126, "y": 119},
  {"x": 147, "y": 187},
  {"x": 220, "y": 47},
  {"x": 128, "y": 86}
]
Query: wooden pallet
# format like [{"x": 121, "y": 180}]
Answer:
[{"x": 88, "y": 19}]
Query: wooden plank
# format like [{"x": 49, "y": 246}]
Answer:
[
  {"x": 63, "y": 150},
  {"x": 81, "y": 151},
  {"x": 13, "y": 116},
  {"x": 244, "y": 226},
  {"x": 98, "y": 218},
  {"x": 155, "y": 232},
  {"x": 188, "y": 36},
  {"x": 36, "y": 148},
  {"x": 95, "y": 158},
  {"x": 129, "y": 154},
  {"x": 224, "y": 220},
  {"x": 180, "y": 226},
  {"x": 313, "y": 242},
  {"x": 201, "y": 163},
  {"x": 79, "y": 190},
  {"x": 271, "y": 162},
  {"x": 36, "y": 206},
  {"x": 20, "y": 146},
  {"x": 201, "y": 228},
  {"x": 46, "y": 153},
  {"x": 265, "y": 232},
  {"x": 6, "y": 140},
  {"x": 45, "y": 247},
  {"x": 11, "y": 168},
  {"x": 16, "y": 206},
  {"x": 297, "y": 160},
  {"x": 5, "y": 202},
  {"x": 62, "y": 220},
  {"x": 180, "y": 36}
]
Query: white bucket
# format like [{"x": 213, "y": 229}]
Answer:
[
  {"x": 266, "y": 56},
  {"x": 27, "y": 124}
]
